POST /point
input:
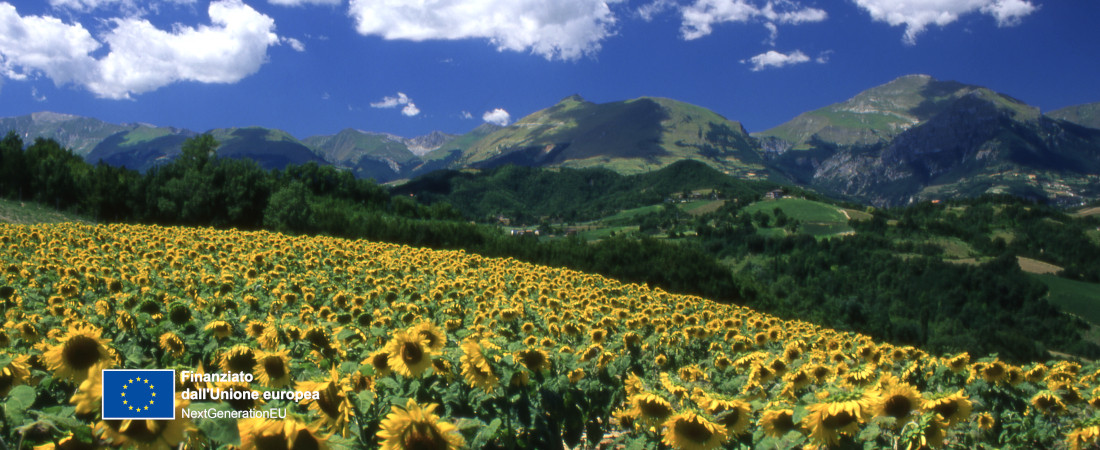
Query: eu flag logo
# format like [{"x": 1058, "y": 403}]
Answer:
[{"x": 139, "y": 394}]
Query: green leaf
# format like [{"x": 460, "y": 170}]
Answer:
[
  {"x": 486, "y": 434},
  {"x": 21, "y": 396},
  {"x": 365, "y": 399},
  {"x": 389, "y": 383}
]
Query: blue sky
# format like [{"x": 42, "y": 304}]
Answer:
[{"x": 411, "y": 67}]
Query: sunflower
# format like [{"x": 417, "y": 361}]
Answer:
[
  {"x": 88, "y": 397},
  {"x": 79, "y": 349},
  {"x": 899, "y": 400},
  {"x": 333, "y": 405},
  {"x": 650, "y": 408},
  {"x": 272, "y": 369},
  {"x": 730, "y": 413},
  {"x": 418, "y": 427},
  {"x": 171, "y": 343},
  {"x": 1084, "y": 437},
  {"x": 829, "y": 420},
  {"x": 690, "y": 431},
  {"x": 1048, "y": 402},
  {"x": 289, "y": 433},
  {"x": 220, "y": 328},
  {"x": 576, "y": 375},
  {"x": 534, "y": 359},
  {"x": 777, "y": 422},
  {"x": 379, "y": 361},
  {"x": 146, "y": 433},
  {"x": 239, "y": 359},
  {"x": 436, "y": 337},
  {"x": 954, "y": 408},
  {"x": 986, "y": 421},
  {"x": 409, "y": 354},
  {"x": 15, "y": 373},
  {"x": 475, "y": 365}
]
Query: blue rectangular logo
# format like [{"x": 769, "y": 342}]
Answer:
[{"x": 139, "y": 394}]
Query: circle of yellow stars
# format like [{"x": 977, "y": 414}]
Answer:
[{"x": 139, "y": 407}]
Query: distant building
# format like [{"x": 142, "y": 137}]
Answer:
[{"x": 773, "y": 195}]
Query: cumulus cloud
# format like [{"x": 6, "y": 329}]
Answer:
[
  {"x": 408, "y": 108},
  {"x": 128, "y": 7},
  {"x": 700, "y": 17},
  {"x": 776, "y": 59},
  {"x": 467, "y": 115},
  {"x": 497, "y": 116},
  {"x": 141, "y": 57},
  {"x": 295, "y": 44},
  {"x": 305, "y": 2},
  {"x": 559, "y": 29},
  {"x": 917, "y": 15}
]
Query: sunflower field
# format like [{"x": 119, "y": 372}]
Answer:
[{"x": 418, "y": 348}]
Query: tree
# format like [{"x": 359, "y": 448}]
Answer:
[{"x": 289, "y": 209}]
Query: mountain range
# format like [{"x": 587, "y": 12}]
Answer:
[{"x": 914, "y": 138}]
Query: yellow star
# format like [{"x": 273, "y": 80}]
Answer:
[
  {"x": 123, "y": 394},
  {"x": 131, "y": 408},
  {"x": 146, "y": 408},
  {"x": 131, "y": 380},
  {"x": 137, "y": 378},
  {"x": 154, "y": 394},
  {"x": 124, "y": 386},
  {"x": 151, "y": 387},
  {"x": 150, "y": 402},
  {"x": 124, "y": 402},
  {"x": 146, "y": 381}
]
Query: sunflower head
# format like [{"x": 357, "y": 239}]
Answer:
[
  {"x": 476, "y": 367},
  {"x": 650, "y": 408},
  {"x": 239, "y": 359},
  {"x": 777, "y": 422},
  {"x": 416, "y": 426},
  {"x": 1048, "y": 402},
  {"x": 172, "y": 344},
  {"x": 436, "y": 337},
  {"x": 81, "y": 348},
  {"x": 689, "y": 430},
  {"x": 899, "y": 401},
  {"x": 273, "y": 368},
  {"x": 220, "y": 328},
  {"x": 829, "y": 420},
  {"x": 408, "y": 354},
  {"x": 953, "y": 408},
  {"x": 261, "y": 434}
]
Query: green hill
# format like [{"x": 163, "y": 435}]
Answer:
[{"x": 628, "y": 137}]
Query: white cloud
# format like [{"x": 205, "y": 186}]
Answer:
[
  {"x": 36, "y": 96},
  {"x": 408, "y": 107},
  {"x": 141, "y": 57},
  {"x": 650, "y": 10},
  {"x": 467, "y": 115},
  {"x": 294, "y": 44},
  {"x": 773, "y": 58},
  {"x": 304, "y": 2},
  {"x": 699, "y": 17},
  {"x": 128, "y": 7},
  {"x": 497, "y": 116},
  {"x": 44, "y": 44},
  {"x": 917, "y": 15},
  {"x": 558, "y": 29}
]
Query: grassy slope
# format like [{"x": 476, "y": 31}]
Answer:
[
  {"x": 26, "y": 213},
  {"x": 1075, "y": 297}
]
